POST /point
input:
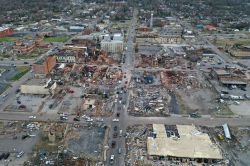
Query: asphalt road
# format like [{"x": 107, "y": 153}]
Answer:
[
  {"x": 121, "y": 108},
  {"x": 8, "y": 62}
]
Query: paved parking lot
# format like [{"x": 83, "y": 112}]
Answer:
[{"x": 15, "y": 132}]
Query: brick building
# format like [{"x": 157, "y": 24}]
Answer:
[
  {"x": 44, "y": 66},
  {"x": 24, "y": 46},
  {"x": 6, "y": 32}
]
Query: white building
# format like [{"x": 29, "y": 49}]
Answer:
[{"x": 113, "y": 43}]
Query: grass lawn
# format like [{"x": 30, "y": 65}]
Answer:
[
  {"x": 31, "y": 55},
  {"x": 56, "y": 39},
  {"x": 7, "y": 39},
  {"x": 22, "y": 70}
]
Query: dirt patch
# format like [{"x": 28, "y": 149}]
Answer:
[{"x": 196, "y": 100}]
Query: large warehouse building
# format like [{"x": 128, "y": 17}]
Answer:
[{"x": 184, "y": 141}]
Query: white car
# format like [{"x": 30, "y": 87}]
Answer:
[
  {"x": 20, "y": 154},
  {"x": 99, "y": 120},
  {"x": 115, "y": 120},
  {"x": 63, "y": 114},
  {"x": 89, "y": 120},
  {"x": 32, "y": 117},
  {"x": 112, "y": 158}
]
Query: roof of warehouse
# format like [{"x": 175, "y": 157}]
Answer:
[{"x": 191, "y": 144}]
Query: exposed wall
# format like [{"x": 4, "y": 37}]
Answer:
[{"x": 46, "y": 66}]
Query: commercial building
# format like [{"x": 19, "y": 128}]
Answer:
[
  {"x": 39, "y": 87},
  {"x": 44, "y": 66},
  {"x": 6, "y": 32},
  {"x": 76, "y": 29},
  {"x": 66, "y": 57},
  {"x": 113, "y": 43},
  {"x": 171, "y": 34},
  {"x": 164, "y": 39},
  {"x": 229, "y": 77},
  {"x": 181, "y": 141}
]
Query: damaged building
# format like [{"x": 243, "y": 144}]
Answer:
[
  {"x": 230, "y": 77},
  {"x": 182, "y": 142},
  {"x": 39, "y": 87}
]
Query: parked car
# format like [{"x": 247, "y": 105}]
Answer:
[
  {"x": 244, "y": 89},
  {"x": 6, "y": 155},
  {"x": 120, "y": 133},
  {"x": 224, "y": 92},
  {"x": 119, "y": 151},
  {"x": 22, "y": 107},
  {"x": 115, "y": 120},
  {"x": 246, "y": 96},
  {"x": 118, "y": 114},
  {"x": 24, "y": 137},
  {"x": 194, "y": 115},
  {"x": 112, "y": 159},
  {"x": 1, "y": 156},
  {"x": 113, "y": 144},
  {"x": 63, "y": 118},
  {"x": 50, "y": 106},
  {"x": 115, "y": 135},
  {"x": 115, "y": 128},
  {"x": 76, "y": 119},
  {"x": 18, "y": 90},
  {"x": 20, "y": 154}
]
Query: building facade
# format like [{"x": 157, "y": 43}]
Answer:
[
  {"x": 66, "y": 58},
  {"x": 113, "y": 44},
  {"x": 44, "y": 66},
  {"x": 167, "y": 39}
]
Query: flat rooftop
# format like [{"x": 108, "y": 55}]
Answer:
[
  {"x": 221, "y": 72},
  {"x": 39, "y": 82},
  {"x": 232, "y": 80},
  {"x": 36, "y": 81},
  {"x": 191, "y": 144}
]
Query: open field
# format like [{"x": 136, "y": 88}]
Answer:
[
  {"x": 31, "y": 55},
  {"x": 7, "y": 39}
]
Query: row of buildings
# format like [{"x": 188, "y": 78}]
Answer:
[
  {"x": 94, "y": 47},
  {"x": 168, "y": 34}
]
